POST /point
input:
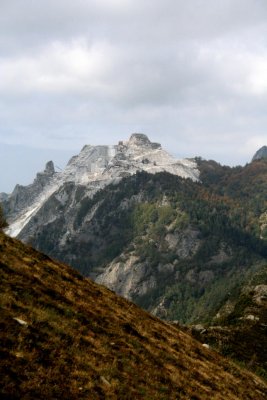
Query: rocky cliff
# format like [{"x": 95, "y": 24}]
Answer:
[
  {"x": 94, "y": 168},
  {"x": 3, "y": 197},
  {"x": 260, "y": 154}
]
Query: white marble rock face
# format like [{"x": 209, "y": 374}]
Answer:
[{"x": 95, "y": 167}]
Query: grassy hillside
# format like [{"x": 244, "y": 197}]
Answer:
[{"x": 65, "y": 337}]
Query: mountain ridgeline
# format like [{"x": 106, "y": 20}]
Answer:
[{"x": 179, "y": 238}]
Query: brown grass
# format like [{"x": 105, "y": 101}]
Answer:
[{"x": 82, "y": 341}]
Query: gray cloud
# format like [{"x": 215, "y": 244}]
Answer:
[{"x": 192, "y": 75}]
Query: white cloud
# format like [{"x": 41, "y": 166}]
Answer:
[
  {"x": 257, "y": 80},
  {"x": 191, "y": 74},
  {"x": 251, "y": 145},
  {"x": 58, "y": 68}
]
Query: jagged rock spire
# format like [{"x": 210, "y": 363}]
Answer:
[
  {"x": 260, "y": 154},
  {"x": 49, "y": 168}
]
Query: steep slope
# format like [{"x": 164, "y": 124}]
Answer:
[
  {"x": 65, "y": 337},
  {"x": 177, "y": 247},
  {"x": 92, "y": 169},
  {"x": 240, "y": 329},
  {"x": 167, "y": 244},
  {"x": 245, "y": 186},
  {"x": 24, "y": 202},
  {"x": 3, "y": 197}
]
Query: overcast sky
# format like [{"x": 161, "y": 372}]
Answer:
[{"x": 191, "y": 75}]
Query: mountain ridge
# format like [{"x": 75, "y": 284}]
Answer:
[{"x": 95, "y": 167}]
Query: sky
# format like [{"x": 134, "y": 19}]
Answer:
[{"x": 191, "y": 75}]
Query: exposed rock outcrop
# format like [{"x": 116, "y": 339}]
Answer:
[
  {"x": 94, "y": 168},
  {"x": 22, "y": 203},
  {"x": 260, "y": 154},
  {"x": 3, "y": 197}
]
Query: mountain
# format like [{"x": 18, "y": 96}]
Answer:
[
  {"x": 94, "y": 168},
  {"x": 65, "y": 337},
  {"x": 180, "y": 248},
  {"x": 171, "y": 245},
  {"x": 260, "y": 154},
  {"x": 25, "y": 200},
  {"x": 189, "y": 250},
  {"x": 3, "y": 196}
]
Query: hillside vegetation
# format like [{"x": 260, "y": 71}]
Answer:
[
  {"x": 185, "y": 251},
  {"x": 245, "y": 186},
  {"x": 177, "y": 248},
  {"x": 65, "y": 337},
  {"x": 240, "y": 327}
]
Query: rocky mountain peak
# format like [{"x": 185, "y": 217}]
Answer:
[
  {"x": 141, "y": 140},
  {"x": 260, "y": 154},
  {"x": 106, "y": 164},
  {"x": 49, "y": 168},
  {"x": 43, "y": 178},
  {"x": 3, "y": 196},
  {"x": 93, "y": 168}
]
